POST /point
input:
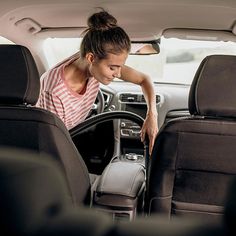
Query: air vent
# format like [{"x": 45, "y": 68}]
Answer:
[
  {"x": 135, "y": 98},
  {"x": 158, "y": 99},
  {"x": 130, "y": 98}
]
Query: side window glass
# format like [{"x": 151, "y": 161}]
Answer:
[
  {"x": 57, "y": 49},
  {"x": 5, "y": 41}
]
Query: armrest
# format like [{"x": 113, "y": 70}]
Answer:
[{"x": 122, "y": 178}]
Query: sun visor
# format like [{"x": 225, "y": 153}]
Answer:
[
  {"x": 191, "y": 34},
  {"x": 61, "y": 32},
  {"x": 31, "y": 26}
]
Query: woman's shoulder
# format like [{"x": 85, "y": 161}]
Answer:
[{"x": 51, "y": 80}]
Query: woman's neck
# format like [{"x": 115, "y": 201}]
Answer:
[{"x": 76, "y": 75}]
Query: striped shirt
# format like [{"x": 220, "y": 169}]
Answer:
[{"x": 57, "y": 97}]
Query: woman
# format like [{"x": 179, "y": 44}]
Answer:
[{"x": 70, "y": 88}]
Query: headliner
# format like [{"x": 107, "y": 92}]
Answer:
[{"x": 143, "y": 20}]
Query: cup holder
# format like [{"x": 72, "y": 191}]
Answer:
[{"x": 133, "y": 157}]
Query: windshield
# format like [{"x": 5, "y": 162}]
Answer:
[{"x": 177, "y": 61}]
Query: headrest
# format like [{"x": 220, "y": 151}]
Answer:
[
  {"x": 33, "y": 190},
  {"x": 213, "y": 89},
  {"x": 19, "y": 77}
]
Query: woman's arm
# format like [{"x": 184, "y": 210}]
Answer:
[{"x": 150, "y": 126}]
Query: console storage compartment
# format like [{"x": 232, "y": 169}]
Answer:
[{"x": 120, "y": 189}]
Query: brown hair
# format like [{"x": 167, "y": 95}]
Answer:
[{"x": 104, "y": 36}]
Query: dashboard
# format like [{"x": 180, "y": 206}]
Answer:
[
  {"x": 121, "y": 138},
  {"x": 171, "y": 101}
]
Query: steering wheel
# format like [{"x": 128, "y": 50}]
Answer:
[
  {"x": 106, "y": 116},
  {"x": 98, "y": 106},
  {"x": 110, "y": 116}
]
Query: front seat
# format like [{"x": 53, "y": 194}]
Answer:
[
  {"x": 24, "y": 126},
  {"x": 194, "y": 159}
]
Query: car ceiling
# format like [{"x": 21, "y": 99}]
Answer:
[{"x": 143, "y": 20}]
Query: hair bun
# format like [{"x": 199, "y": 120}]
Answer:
[{"x": 102, "y": 21}]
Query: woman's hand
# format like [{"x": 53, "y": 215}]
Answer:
[{"x": 150, "y": 127}]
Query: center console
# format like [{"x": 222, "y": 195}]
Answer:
[
  {"x": 121, "y": 188},
  {"x": 133, "y": 103},
  {"x": 129, "y": 131}
]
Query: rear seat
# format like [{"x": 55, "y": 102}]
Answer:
[{"x": 34, "y": 198}]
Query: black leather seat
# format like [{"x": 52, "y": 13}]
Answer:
[
  {"x": 27, "y": 197},
  {"x": 193, "y": 159},
  {"x": 33, "y": 199},
  {"x": 28, "y": 127}
]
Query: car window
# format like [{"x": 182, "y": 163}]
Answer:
[
  {"x": 57, "y": 49},
  {"x": 176, "y": 62},
  {"x": 4, "y": 40},
  {"x": 181, "y": 58}
]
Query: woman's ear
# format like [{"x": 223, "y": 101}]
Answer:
[{"x": 90, "y": 57}]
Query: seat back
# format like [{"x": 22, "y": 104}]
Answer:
[
  {"x": 34, "y": 199},
  {"x": 24, "y": 126},
  {"x": 33, "y": 191},
  {"x": 193, "y": 159}
]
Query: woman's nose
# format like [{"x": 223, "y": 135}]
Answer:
[{"x": 117, "y": 74}]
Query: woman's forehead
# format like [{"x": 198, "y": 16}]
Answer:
[{"x": 116, "y": 59}]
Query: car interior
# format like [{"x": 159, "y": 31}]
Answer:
[{"x": 99, "y": 178}]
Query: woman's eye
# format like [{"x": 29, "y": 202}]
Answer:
[{"x": 112, "y": 68}]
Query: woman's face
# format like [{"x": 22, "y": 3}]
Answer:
[{"x": 106, "y": 70}]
